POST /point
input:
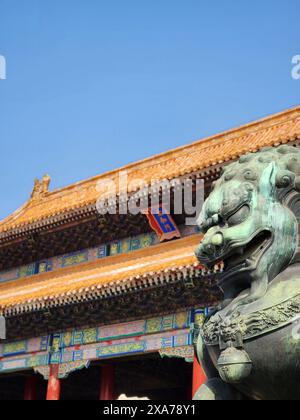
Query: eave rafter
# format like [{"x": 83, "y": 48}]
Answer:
[{"x": 188, "y": 275}]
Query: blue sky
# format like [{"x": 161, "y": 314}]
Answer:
[{"x": 95, "y": 84}]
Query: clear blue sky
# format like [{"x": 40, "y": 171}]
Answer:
[{"x": 95, "y": 84}]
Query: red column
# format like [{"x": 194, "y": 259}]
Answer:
[
  {"x": 199, "y": 376},
  {"x": 107, "y": 387},
  {"x": 30, "y": 391},
  {"x": 54, "y": 385}
]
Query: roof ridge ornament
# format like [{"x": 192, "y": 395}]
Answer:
[{"x": 41, "y": 188}]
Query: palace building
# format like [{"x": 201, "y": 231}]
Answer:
[{"x": 99, "y": 306}]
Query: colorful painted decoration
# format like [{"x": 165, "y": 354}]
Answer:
[
  {"x": 115, "y": 248},
  {"x": 163, "y": 224},
  {"x": 161, "y": 334}
]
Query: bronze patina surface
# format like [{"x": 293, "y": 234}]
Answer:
[{"x": 251, "y": 346}]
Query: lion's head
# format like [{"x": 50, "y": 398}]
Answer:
[{"x": 250, "y": 221}]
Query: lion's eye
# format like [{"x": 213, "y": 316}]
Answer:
[{"x": 239, "y": 217}]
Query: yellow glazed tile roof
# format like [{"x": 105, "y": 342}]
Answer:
[
  {"x": 112, "y": 272},
  {"x": 277, "y": 129}
]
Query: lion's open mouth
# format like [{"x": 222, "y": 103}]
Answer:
[{"x": 247, "y": 255}]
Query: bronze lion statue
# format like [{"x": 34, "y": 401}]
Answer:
[{"x": 250, "y": 347}]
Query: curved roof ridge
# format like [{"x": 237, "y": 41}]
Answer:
[
  {"x": 196, "y": 156},
  {"x": 205, "y": 140}
]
